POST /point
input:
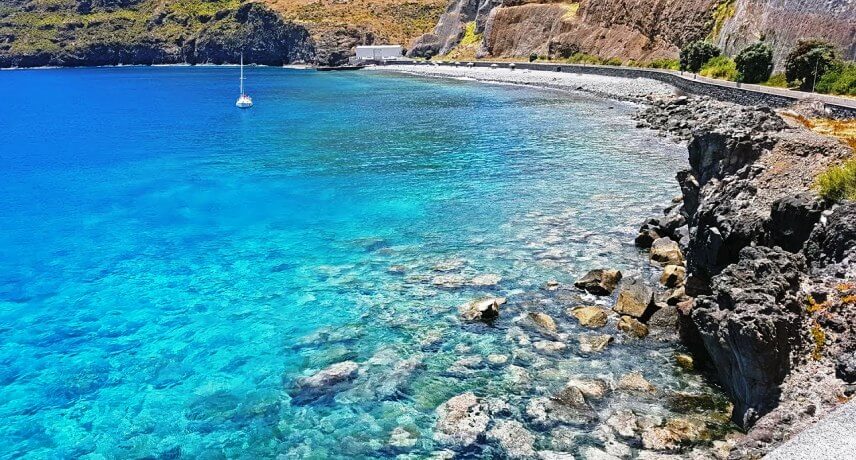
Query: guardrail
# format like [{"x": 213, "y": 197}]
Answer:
[{"x": 838, "y": 107}]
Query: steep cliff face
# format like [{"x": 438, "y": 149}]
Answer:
[
  {"x": 782, "y": 22},
  {"x": 640, "y": 30},
  {"x": 625, "y": 29}
]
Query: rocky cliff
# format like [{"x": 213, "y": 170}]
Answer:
[
  {"x": 110, "y": 32},
  {"x": 771, "y": 265},
  {"x": 638, "y": 30}
]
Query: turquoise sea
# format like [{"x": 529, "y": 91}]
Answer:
[{"x": 170, "y": 265}]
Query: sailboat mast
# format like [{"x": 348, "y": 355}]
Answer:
[{"x": 242, "y": 74}]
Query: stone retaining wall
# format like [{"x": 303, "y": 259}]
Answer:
[{"x": 690, "y": 83}]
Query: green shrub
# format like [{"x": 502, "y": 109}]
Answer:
[
  {"x": 583, "y": 58},
  {"x": 720, "y": 67},
  {"x": 671, "y": 64},
  {"x": 533, "y": 57},
  {"x": 777, "y": 79},
  {"x": 808, "y": 62},
  {"x": 612, "y": 61},
  {"x": 695, "y": 54},
  {"x": 838, "y": 182},
  {"x": 755, "y": 63},
  {"x": 841, "y": 79}
]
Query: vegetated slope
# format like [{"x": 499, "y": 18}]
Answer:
[
  {"x": 637, "y": 30},
  {"x": 109, "y": 32},
  {"x": 782, "y": 22}
]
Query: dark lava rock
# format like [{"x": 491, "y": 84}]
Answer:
[
  {"x": 792, "y": 220},
  {"x": 834, "y": 241},
  {"x": 750, "y": 325}
]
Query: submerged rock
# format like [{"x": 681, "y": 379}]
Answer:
[
  {"x": 448, "y": 281},
  {"x": 461, "y": 421},
  {"x": 549, "y": 346},
  {"x": 481, "y": 310},
  {"x": 590, "y": 343},
  {"x": 323, "y": 382},
  {"x": 593, "y": 453},
  {"x": 514, "y": 439},
  {"x": 549, "y": 412},
  {"x": 634, "y": 381},
  {"x": 676, "y": 432},
  {"x": 624, "y": 423},
  {"x": 591, "y": 317},
  {"x": 488, "y": 279},
  {"x": 590, "y": 388},
  {"x": 402, "y": 438},
  {"x": 635, "y": 299},
  {"x": 600, "y": 281},
  {"x": 543, "y": 321}
]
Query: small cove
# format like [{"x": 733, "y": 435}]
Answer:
[{"x": 170, "y": 265}]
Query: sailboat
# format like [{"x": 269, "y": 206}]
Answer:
[{"x": 244, "y": 101}]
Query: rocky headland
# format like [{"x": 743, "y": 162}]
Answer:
[{"x": 771, "y": 266}]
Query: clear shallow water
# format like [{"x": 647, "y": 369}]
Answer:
[{"x": 169, "y": 264}]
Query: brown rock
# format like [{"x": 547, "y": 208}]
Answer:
[
  {"x": 673, "y": 276},
  {"x": 544, "y": 321},
  {"x": 592, "y": 317},
  {"x": 635, "y": 299},
  {"x": 685, "y": 361},
  {"x": 481, "y": 310},
  {"x": 632, "y": 327},
  {"x": 676, "y": 432},
  {"x": 666, "y": 251},
  {"x": 594, "y": 342},
  {"x": 591, "y": 388},
  {"x": 677, "y": 296},
  {"x": 634, "y": 381},
  {"x": 599, "y": 281}
]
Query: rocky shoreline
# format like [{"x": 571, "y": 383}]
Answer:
[
  {"x": 758, "y": 271},
  {"x": 771, "y": 266}
]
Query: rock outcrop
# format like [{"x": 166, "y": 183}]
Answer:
[{"x": 769, "y": 263}]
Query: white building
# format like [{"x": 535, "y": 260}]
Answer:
[{"x": 379, "y": 52}]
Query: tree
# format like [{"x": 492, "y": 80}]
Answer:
[
  {"x": 808, "y": 61},
  {"x": 695, "y": 54},
  {"x": 755, "y": 63}
]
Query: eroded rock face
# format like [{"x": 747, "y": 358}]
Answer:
[
  {"x": 451, "y": 26},
  {"x": 749, "y": 326},
  {"x": 834, "y": 242}
]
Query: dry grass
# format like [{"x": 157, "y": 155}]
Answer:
[{"x": 396, "y": 21}]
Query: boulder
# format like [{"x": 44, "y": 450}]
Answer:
[
  {"x": 624, "y": 423},
  {"x": 600, "y": 281},
  {"x": 547, "y": 346},
  {"x": 593, "y": 453},
  {"x": 676, "y": 296},
  {"x": 590, "y": 388},
  {"x": 666, "y": 251},
  {"x": 461, "y": 421},
  {"x": 481, "y": 310},
  {"x": 685, "y": 361},
  {"x": 564, "y": 408},
  {"x": 635, "y": 299},
  {"x": 632, "y": 327},
  {"x": 634, "y": 381},
  {"x": 590, "y": 343},
  {"x": 673, "y": 276},
  {"x": 513, "y": 438},
  {"x": 543, "y": 321},
  {"x": 324, "y": 382},
  {"x": 676, "y": 433},
  {"x": 591, "y": 317}
]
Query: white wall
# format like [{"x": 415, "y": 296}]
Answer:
[{"x": 379, "y": 52}]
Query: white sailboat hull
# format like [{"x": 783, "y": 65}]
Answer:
[{"x": 244, "y": 102}]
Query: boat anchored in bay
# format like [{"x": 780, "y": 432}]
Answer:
[{"x": 244, "y": 100}]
